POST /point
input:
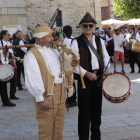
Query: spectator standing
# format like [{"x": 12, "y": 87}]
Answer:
[
  {"x": 118, "y": 48},
  {"x": 19, "y": 52}
]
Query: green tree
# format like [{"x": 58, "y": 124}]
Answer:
[{"x": 127, "y": 8}]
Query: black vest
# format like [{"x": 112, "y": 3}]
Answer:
[
  {"x": 85, "y": 55},
  {"x": 17, "y": 51}
]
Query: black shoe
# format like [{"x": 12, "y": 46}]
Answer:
[
  {"x": 73, "y": 104},
  {"x": 139, "y": 71},
  {"x": 14, "y": 97},
  {"x": 132, "y": 71},
  {"x": 9, "y": 104},
  {"x": 20, "y": 88}
]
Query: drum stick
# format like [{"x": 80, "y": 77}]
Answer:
[
  {"x": 104, "y": 75},
  {"x": 104, "y": 71}
]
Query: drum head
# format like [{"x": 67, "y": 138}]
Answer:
[
  {"x": 5, "y": 71},
  {"x": 116, "y": 85}
]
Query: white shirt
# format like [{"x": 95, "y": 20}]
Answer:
[
  {"x": 33, "y": 79},
  {"x": 138, "y": 36},
  {"x": 125, "y": 40},
  {"x": 94, "y": 60},
  {"x": 118, "y": 40},
  {"x": 68, "y": 40},
  {"x": 22, "y": 48},
  {"x": 1, "y": 52}
]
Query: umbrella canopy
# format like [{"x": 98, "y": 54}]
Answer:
[
  {"x": 133, "y": 22},
  {"x": 113, "y": 21}
]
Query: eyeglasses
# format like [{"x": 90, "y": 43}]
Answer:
[{"x": 86, "y": 25}]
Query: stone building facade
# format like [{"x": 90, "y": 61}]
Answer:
[{"x": 29, "y": 12}]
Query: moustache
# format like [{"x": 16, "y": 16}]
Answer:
[{"x": 52, "y": 42}]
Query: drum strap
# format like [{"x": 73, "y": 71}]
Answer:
[{"x": 94, "y": 51}]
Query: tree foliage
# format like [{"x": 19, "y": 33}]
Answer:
[{"x": 127, "y": 8}]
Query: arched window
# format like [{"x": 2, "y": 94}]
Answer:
[{"x": 59, "y": 19}]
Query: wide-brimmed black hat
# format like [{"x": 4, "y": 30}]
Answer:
[{"x": 87, "y": 18}]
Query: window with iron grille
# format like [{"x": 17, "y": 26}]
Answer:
[
  {"x": 105, "y": 13},
  {"x": 59, "y": 19}
]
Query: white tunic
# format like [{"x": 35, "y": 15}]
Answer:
[
  {"x": 68, "y": 40},
  {"x": 94, "y": 60},
  {"x": 23, "y": 48},
  {"x": 1, "y": 52},
  {"x": 33, "y": 79}
]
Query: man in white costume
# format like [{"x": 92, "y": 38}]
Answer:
[{"x": 42, "y": 70}]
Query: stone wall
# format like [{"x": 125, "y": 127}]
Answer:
[
  {"x": 72, "y": 11},
  {"x": 104, "y": 3},
  {"x": 28, "y": 13},
  {"x": 13, "y": 12}
]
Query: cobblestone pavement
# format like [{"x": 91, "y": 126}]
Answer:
[{"x": 119, "y": 121}]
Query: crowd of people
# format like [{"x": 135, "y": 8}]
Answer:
[
  {"x": 97, "y": 49},
  {"x": 118, "y": 42}
]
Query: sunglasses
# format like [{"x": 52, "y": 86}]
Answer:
[{"x": 86, "y": 25}]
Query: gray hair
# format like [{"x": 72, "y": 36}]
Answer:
[{"x": 18, "y": 33}]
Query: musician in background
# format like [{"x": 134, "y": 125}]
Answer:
[
  {"x": 103, "y": 35},
  {"x": 43, "y": 81},
  {"x": 3, "y": 85},
  {"x": 58, "y": 37},
  {"x": 27, "y": 39},
  {"x": 133, "y": 56},
  {"x": 90, "y": 99},
  {"x": 67, "y": 32},
  {"x": 19, "y": 52}
]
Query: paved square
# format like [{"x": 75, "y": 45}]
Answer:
[{"x": 119, "y": 121}]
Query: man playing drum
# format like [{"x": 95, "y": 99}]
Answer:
[
  {"x": 42, "y": 79},
  {"x": 134, "y": 57},
  {"x": 93, "y": 60},
  {"x": 3, "y": 85}
]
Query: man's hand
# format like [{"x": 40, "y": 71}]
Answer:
[
  {"x": 121, "y": 45},
  {"x": 46, "y": 103},
  {"x": 91, "y": 76},
  {"x": 74, "y": 63},
  {"x": 106, "y": 71}
]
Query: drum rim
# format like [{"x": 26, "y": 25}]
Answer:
[
  {"x": 9, "y": 77},
  {"x": 130, "y": 87}
]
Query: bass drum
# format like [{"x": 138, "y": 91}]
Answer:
[
  {"x": 6, "y": 72},
  {"x": 117, "y": 87}
]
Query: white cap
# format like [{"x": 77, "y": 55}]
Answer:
[{"x": 102, "y": 30}]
